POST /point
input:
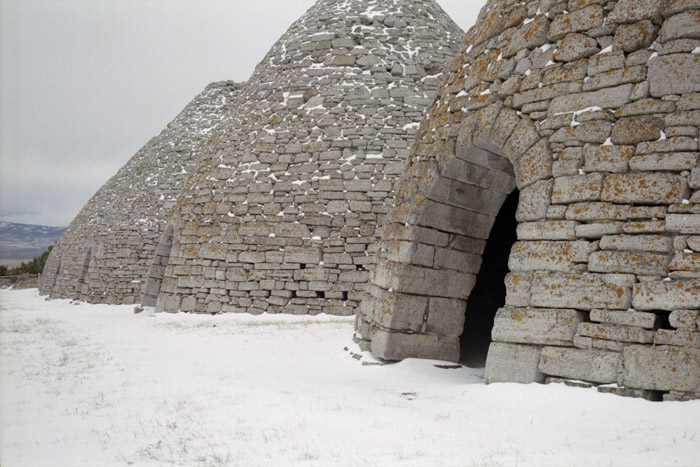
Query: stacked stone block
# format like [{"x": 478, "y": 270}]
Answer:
[
  {"x": 105, "y": 254},
  {"x": 590, "y": 109},
  {"x": 283, "y": 216}
]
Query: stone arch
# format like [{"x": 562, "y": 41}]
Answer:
[
  {"x": 435, "y": 237},
  {"x": 81, "y": 284},
  {"x": 157, "y": 270}
]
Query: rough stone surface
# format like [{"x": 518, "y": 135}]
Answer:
[
  {"x": 597, "y": 366},
  {"x": 661, "y": 368},
  {"x": 513, "y": 363},
  {"x": 536, "y": 325}
]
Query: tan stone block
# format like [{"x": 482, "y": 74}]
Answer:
[
  {"x": 626, "y": 318},
  {"x": 615, "y": 332},
  {"x": 588, "y": 365},
  {"x": 577, "y": 188},
  {"x": 661, "y": 368},
  {"x": 536, "y": 325},
  {"x": 680, "y": 338},
  {"x": 636, "y": 262},
  {"x": 667, "y": 295},
  {"x": 656, "y": 188},
  {"x": 547, "y": 255},
  {"x": 578, "y": 291}
]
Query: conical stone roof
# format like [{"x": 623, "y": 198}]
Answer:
[
  {"x": 105, "y": 253},
  {"x": 284, "y": 216}
]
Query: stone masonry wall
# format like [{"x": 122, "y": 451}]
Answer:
[
  {"x": 591, "y": 108},
  {"x": 105, "y": 253},
  {"x": 283, "y": 215}
]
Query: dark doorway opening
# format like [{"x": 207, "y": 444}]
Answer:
[{"x": 489, "y": 292}]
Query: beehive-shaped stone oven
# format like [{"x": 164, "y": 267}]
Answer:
[
  {"x": 579, "y": 120},
  {"x": 105, "y": 254},
  {"x": 283, "y": 218}
]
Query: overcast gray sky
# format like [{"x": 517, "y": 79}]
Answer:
[{"x": 85, "y": 83}]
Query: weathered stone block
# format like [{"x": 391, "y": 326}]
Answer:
[
  {"x": 589, "y": 343},
  {"x": 456, "y": 220},
  {"x": 667, "y": 295},
  {"x": 682, "y": 25},
  {"x": 651, "y": 188},
  {"x": 651, "y": 264},
  {"x": 589, "y": 365},
  {"x": 536, "y": 325},
  {"x": 676, "y": 161},
  {"x": 547, "y": 230},
  {"x": 446, "y": 316},
  {"x": 598, "y": 230},
  {"x": 653, "y": 243},
  {"x": 615, "y": 332},
  {"x": 393, "y": 346},
  {"x": 576, "y": 21},
  {"x": 684, "y": 319},
  {"x": 672, "y": 74},
  {"x": 631, "y": 11},
  {"x": 535, "y": 164},
  {"x": 661, "y": 368},
  {"x": 547, "y": 255},
  {"x": 631, "y": 37},
  {"x": 607, "y": 98},
  {"x": 615, "y": 77},
  {"x": 534, "y": 201},
  {"x": 294, "y": 254},
  {"x": 683, "y": 223},
  {"x": 581, "y": 292},
  {"x": 518, "y": 289},
  {"x": 577, "y": 188},
  {"x": 680, "y": 338},
  {"x": 528, "y": 36},
  {"x": 512, "y": 363},
  {"x": 683, "y": 261},
  {"x": 634, "y": 130},
  {"x": 576, "y": 46},
  {"x": 626, "y": 318}
]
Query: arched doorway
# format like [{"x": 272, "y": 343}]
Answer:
[
  {"x": 432, "y": 289},
  {"x": 489, "y": 292},
  {"x": 157, "y": 270}
]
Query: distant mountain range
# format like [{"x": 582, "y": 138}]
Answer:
[{"x": 25, "y": 241}]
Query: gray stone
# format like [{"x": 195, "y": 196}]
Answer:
[
  {"x": 672, "y": 74},
  {"x": 667, "y": 295},
  {"x": 398, "y": 346},
  {"x": 681, "y": 338},
  {"x": 653, "y": 243},
  {"x": 682, "y": 25},
  {"x": 661, "y": 368},
  {"x": 581, "y": 292},
  {"x": 589, "y": 365},
  {"x": 626, "y": 318},
  {"x": 684, "y": 319},
  {"x": 536, "y": 325},
  {"x": 605, "y": 98},
  {"x": 631, "y": 11},
  {"x": 578, "y": 20},
  {"x": 616, "y": 332},
  {"x": 513, "y": 363},
  {"x": 576, "y": 46}
]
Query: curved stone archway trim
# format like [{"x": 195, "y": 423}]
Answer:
[{"x": 436, "y": 235}]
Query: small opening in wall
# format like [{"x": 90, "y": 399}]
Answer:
[
  {"x": 302, "y": 266},
  {"x": 320, "y": 294},
  {"x": 345, "y": 296},
  {"x": 489, "y": 292}
]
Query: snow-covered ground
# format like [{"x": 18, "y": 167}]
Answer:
[{"x": 97, "y": 385}]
